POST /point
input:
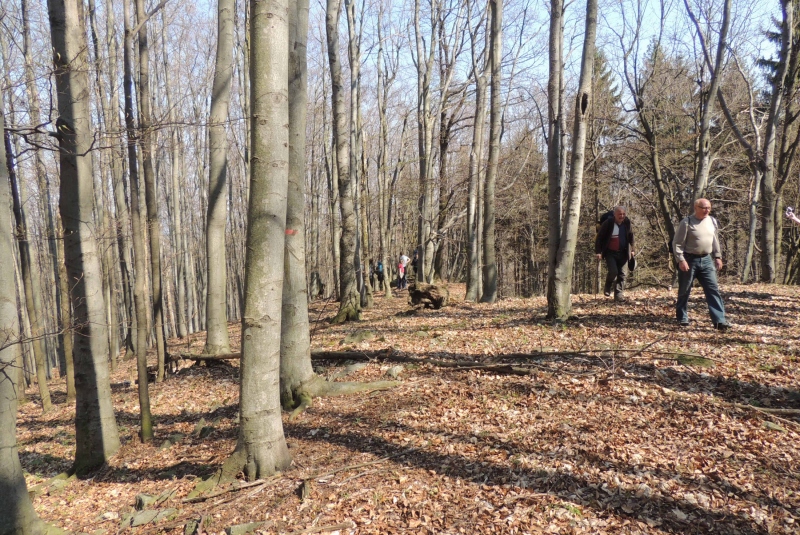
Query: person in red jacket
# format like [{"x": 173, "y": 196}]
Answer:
[{"x": 614, "y": 243}]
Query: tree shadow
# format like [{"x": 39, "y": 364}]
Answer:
[{"x": 557, "y": 483}]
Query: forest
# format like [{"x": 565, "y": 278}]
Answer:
[{"x": 284, "y": 267}]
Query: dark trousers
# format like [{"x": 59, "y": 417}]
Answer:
[
  {"x": 617, "y": 264},
  {"x": 703, "y": 269}
]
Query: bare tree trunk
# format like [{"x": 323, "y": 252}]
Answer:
[
  {"x": 489, "y": 254},
  {"x": 425, "y": 123},
  {"x": 42, "y": 181},
  {"x": 139, "y": 253},
  {"x": 708, "y": 96},
  {"x": 151, "y": 193},
  {"x": 475, "y": 167},
  {"x": 387, "y": 71},
  {"x": 558, "y": 303},
  {"x": 295, "y": 340},
  {"x": 216, "y": 318},
  {"x": 176, "y": 190},
  {"x": 554, "y": 161},
  {"x": 96, "y": 433},
  {"x": 261, "y": 438},
  {"x": 16, "y": 508},
  {"x": 29, "y": 267},
  {"x": 349, "y": 300}
]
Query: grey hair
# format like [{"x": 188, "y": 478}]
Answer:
[{"x": 619, "y": 207}]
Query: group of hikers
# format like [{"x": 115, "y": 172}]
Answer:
[
  {"x": 697, "y": 254},
  {"x": 696, "y": 249},
  {"x": 376, "y": 271}
]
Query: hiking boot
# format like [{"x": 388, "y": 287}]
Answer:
[
  {"x": 607, "y": 293},
  {"x": 683, "y": 323},
  {"x": 722, "y": 327}
]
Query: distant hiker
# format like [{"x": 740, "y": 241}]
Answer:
[
  {"x": 401, "y": 276},
  {"x": 415, "y": 263},
  {"x": 699, "y": 256},
  {"x": 379, "y": 274},
  {"x": 614, "y": 243}
]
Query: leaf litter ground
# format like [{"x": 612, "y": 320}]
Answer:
[{"x": 595, "y": 439}]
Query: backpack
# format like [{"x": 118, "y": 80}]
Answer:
[
  {"x": 603, "y": 218},
  {"x": 379, "y": 267}
]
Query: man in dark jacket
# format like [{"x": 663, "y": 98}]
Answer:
[{"x": 614, "y": 242}]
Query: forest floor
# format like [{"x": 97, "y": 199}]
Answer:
[{"x": 596, "y": 439}]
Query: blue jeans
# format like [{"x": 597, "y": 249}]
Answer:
[{"x": 701, "y": 268}]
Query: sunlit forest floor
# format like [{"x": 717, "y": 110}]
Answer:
[{"x": 595, "y": 439}]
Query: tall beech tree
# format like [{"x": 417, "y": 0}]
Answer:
[
  {"x": 489, "y": 254},
  {"x": 558, "y": 296},
  {"x": 216, "y": 317},
  {"x": 262, "y": 445},
  {"x": 349, "y": 299},
  {"x": 96, "y": 435},
  {"x": 16, "y": 509},
  {"x": 137, "y": 233},
  {"x": 146, "y": 146}
]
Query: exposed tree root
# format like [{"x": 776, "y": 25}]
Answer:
[
  {"x": 226, "y": 474},
  {"x": 318, "y": 387},
  {"x": 346, "y": 314}
]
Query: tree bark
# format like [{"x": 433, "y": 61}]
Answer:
[
  {"x": 475, "y": 170},
  {"x": 29, "y": 267},
  {"x": 554, "y": 155},
  {"x": 349, "y": 299},
  {"x": 216, "y": 317},
  {"x": 261, "y": 437},
  {"x": 16, "y": 508},
  {"x": 425, "y": 123},
  {"x": 139, "y": 252},
  {"x": 150, "y": 191},
  {"x": 96, "y": 433},
  {"x": 558, "y": 303},
  {"x": 295, "y": 339},
  {"x": 489, "y": 254},
  {"x": 708, "y": 96}
]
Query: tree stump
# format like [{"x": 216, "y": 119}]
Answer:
[{"x": 429, "y": 295}]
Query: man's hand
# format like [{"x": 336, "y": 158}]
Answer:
[
  {"x": 683, "y": 265},
  {"x": 599, "y": 256},
  {"x": 718, "y": 263}
]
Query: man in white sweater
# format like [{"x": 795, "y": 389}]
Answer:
[{"x": 699, "y": 256}]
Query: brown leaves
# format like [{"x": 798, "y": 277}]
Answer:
[{"x": 602, "y": 438}]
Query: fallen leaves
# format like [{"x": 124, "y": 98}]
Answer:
[{"x": 616, "y": 441}]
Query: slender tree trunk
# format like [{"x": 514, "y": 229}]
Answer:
[
  {"x": 489, "y": 253},
  {"x": 16, "y": 508},
  {"x": 554, "y": 161},
  {"x": 96, "y": 433},
  {"x": 29, "y": 267},
  {"x": 424, "y": 60},
  {"x": 349, "y": 300},
  {"x": 475, "y": 167},
  {"x": 216, "y": 281},
  {"x": 42, "y": 181},
  {"x": 770, "y": 195},
  {"x": 295, "y": 340},
  {"x": 139, "y": 253},
  {"x": 176, "y": 175},
  {"x": 708, "y": 96},
  {"x": 559, "y": 305},
  {"x": 150, "y": 186}
]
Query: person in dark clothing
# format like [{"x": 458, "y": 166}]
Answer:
[{"x": 614, "y": 243}]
